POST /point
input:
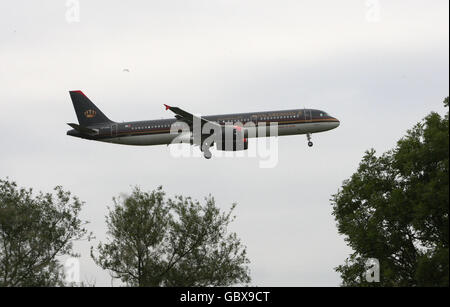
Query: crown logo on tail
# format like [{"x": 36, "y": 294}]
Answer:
[{"x": 90, "y": 113}]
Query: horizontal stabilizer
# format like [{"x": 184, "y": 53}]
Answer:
[{"x": 83, "y": 130}]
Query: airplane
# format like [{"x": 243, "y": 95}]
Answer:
[{"x": 94, "y": 125}]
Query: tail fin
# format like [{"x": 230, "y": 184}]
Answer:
[{"x": 87, "y": 112}]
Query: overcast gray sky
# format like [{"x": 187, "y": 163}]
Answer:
[{"x": 378, "y": 66}]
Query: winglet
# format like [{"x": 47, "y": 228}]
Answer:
[{"x": 167, "y": 107}]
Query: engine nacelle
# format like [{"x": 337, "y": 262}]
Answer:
[{"x": 232, "y": 140}]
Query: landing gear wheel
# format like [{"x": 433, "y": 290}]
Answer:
[
  {"x": 308, "y": 136},
  {"x": 207, "y": 154}
]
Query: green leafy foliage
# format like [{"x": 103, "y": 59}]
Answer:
[
  {"x": 34, "y": 231},
  {"x": 395, "y": 208},
  {"x": 155, "y": 241}
]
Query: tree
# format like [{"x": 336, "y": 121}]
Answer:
[
  {"x": 395, "y": 208},
  {"x": 34, "y": 231},
  {"x": 155, "y": 241}
]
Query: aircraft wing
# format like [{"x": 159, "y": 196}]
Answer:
[{"x": 188, "y": 117}]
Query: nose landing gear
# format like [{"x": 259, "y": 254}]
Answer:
[{"x": 308, "y": 136}]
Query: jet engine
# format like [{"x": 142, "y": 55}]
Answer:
[{"x": 232, "y": 139}]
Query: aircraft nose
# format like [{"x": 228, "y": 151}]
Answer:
[{"x": 337, "y": 122}]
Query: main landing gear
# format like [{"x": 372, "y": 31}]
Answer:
[
  {"x": 308, "y": 136},
  {"x": 206, "y": 152}
]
